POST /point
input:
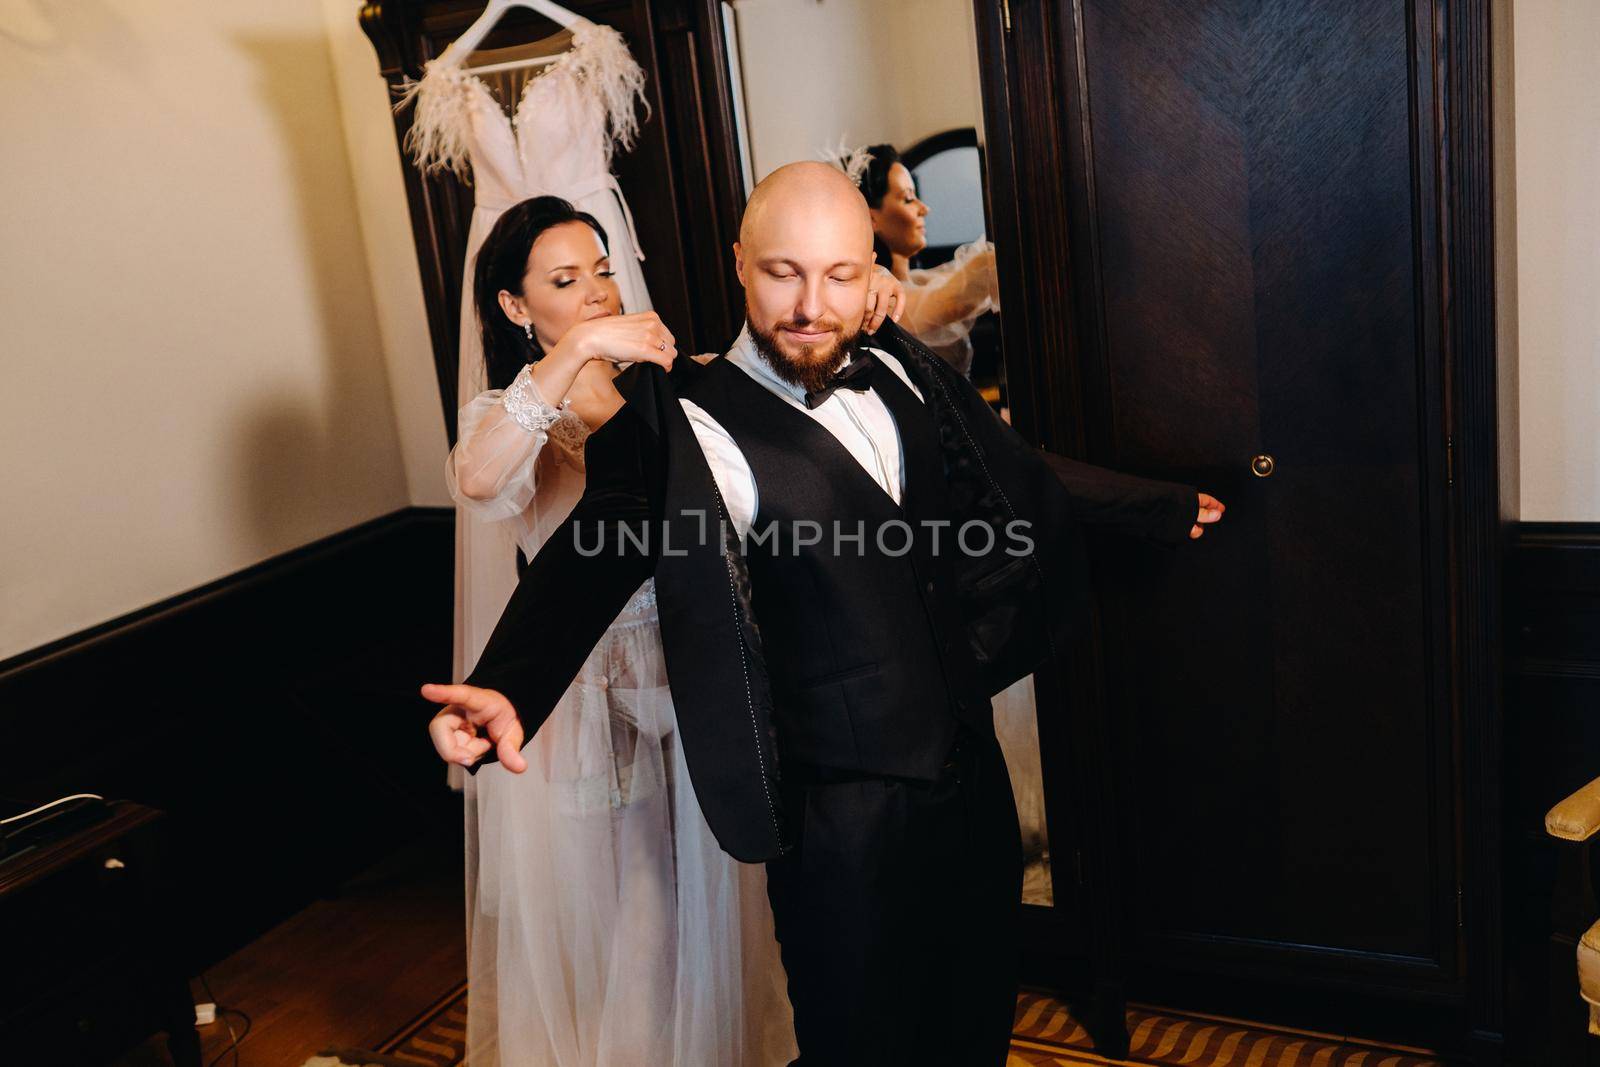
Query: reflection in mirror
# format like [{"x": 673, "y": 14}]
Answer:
[{"x": 891, "y": 94}]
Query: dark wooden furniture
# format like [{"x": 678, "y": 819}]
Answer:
[
  {"x": 202, "y": 706},
  {"x": 1231, "y": 231},
  {"x": 92, "y": 949}
]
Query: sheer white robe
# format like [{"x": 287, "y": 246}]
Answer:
[{"x": 943, "y": 302}]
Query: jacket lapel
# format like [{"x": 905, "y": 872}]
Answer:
[
  {"x": 922, "y": 466},
  {"x": 720, "y": 690}
]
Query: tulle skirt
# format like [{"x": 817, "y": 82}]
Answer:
[
  {"x": 605, "y": 926},
  {"x": 1016, "y": 726}
]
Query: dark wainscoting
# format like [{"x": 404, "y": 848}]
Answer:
[
  {"x": 1552, "y": 746},
  {"x": 273, "y": 714}
]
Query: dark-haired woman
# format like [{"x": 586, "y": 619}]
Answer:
[
  {"x": 942, "y": 302},
  {"x": 605, "y": 925}
]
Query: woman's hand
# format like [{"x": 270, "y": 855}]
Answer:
[
  {"x": 639, "y": 338},
  {"x": 886, "y": 297}
]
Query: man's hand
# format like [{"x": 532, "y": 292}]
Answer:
[
  {"x": 886, "y": 297},
  {"x": 456, "y": 728},
  {"x": 1211, "y": 510}
]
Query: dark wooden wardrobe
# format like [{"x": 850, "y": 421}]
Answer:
[
  {"x": 1243, "y": 244},
  {"x": 1255, "y": 244}
]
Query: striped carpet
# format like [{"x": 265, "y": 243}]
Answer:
[
  {"x": 1045, "y": 1035},
  {"x": 438, "y": 1038}
]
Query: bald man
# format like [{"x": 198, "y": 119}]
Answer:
[{"x": 851, "y": 554}]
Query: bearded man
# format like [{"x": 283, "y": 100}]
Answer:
[{"x": 851, "y": 554}]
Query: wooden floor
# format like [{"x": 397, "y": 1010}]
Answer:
[
  {"x": 348, "y": 972},
  {"x": 354, "y": 971}
]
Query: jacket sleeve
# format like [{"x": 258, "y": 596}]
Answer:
[
  {"x": 1157, "y": 511},
  {"x": 580, "y": 578}
]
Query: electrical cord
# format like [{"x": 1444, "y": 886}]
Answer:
[
  {"x": 223, "y": 1013},
  {"x": 53, "y": 803}
]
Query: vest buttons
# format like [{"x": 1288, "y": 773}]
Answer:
[{"x": 930, "y": 585}]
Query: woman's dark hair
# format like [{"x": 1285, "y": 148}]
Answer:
[
  {"x": 501, "y": 264},
  {"x": 874, "y": 185},
  {"x": 874, "y": 180}
]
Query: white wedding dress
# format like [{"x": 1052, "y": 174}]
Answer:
[
  {"x": 558, "y": 142},
  {"x": 605, "y": 926}
]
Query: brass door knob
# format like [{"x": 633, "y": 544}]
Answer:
[{"x": 1261, "y": 465}]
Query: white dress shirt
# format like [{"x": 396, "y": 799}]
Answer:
[{"x": 858, "y": 419}]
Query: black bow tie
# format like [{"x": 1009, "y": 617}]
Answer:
[{"x": 857, "y": 376}]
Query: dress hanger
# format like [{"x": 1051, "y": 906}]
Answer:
[{"x": 456, "y": 54}]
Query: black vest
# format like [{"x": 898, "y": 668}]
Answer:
[{"x": 868, "y": 658}]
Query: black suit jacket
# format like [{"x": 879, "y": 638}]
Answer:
[{"x": 646, "y": 472}]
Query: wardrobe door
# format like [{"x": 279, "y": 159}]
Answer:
[{"x": 1261, "y": 275}]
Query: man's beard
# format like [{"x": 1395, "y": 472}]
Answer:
[{"x": 813, "y": 366}]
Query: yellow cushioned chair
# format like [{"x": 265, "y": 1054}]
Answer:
[{"x": 1576, "y": 819}]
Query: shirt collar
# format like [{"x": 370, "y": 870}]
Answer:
[{"x": 748, "y": 358}]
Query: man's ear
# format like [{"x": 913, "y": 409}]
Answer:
[{"x": 738, "y": 261}]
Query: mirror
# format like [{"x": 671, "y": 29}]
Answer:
[{"x": 891, "y": 93}]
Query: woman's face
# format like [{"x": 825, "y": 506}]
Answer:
[
  {"x": 899, "y": 220},
  {"x": 568, "y": 281}
]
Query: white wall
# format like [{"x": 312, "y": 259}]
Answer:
[
  {"x": 214, "y": 347},
  {"x": 1555, "y": 232},
  {"x": 193, "y": 374},
  {"x": 868, "y": 71},
  {"x": 391, "y": 253}
]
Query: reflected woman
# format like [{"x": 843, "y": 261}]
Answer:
[{"x": 942, "y": 302}]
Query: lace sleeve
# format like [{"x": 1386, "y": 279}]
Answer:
[
  {"x": 501, "y": 433},
  {"x": 604, "y": 64},
  {"x": 441, "y": 124},
  {"x": 942, "y": 302}
]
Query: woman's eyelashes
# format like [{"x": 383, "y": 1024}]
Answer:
[{"x": 603, "y": 272}]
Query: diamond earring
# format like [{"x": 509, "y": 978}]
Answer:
[{"x": 527, "y": 328}]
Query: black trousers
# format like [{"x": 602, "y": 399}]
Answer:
[{"x": 898, "y": 915}]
